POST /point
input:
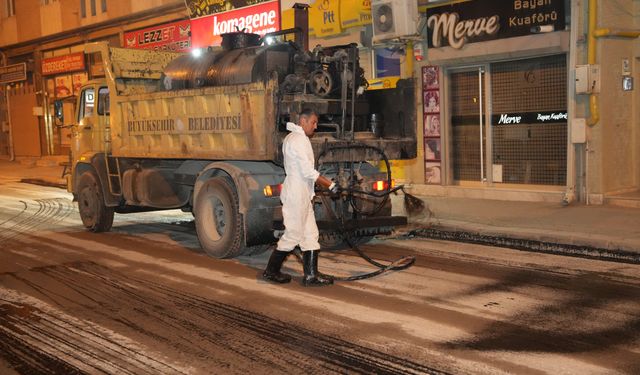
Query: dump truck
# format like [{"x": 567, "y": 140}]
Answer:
[{"x": 203, "y": 133}]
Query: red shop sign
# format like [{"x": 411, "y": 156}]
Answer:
[
  {"x": 63, "y": 64},
  {"x": 259, "y": 19},
  {"x": 168, "y": 37}
]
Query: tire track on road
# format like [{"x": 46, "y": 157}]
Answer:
[
  {"x": 34, "y": 216},
  {"x": 38, "y": 339},
  {"x": 216, "y": 336}
]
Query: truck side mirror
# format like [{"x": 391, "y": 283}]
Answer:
[
  {"x": 65, "y": 111},
  {"x": 57, "y": 110}
]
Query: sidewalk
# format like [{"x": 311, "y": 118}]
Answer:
[
  {"x": 41, "y": 171},
  {"x": 603, "y": 227}
]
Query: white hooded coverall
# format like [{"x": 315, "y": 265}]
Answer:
[{"x": 298, "y": 192}]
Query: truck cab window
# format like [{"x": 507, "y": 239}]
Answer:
[
  {"x": 103, "y": 101},
  {"x": 87, "y": 104}
]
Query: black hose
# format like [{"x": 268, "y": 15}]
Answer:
[{"x": 397, "y": 265}]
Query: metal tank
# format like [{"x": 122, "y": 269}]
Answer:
[{"x": 242, "y": 60}]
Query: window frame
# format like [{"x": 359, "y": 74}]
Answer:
[
  {"x": 82, "y": 113},
  {"x": 104, "y": 102}
]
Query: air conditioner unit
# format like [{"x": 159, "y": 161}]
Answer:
[{"x": 394, "y": 19}]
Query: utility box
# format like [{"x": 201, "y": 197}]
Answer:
[
  {"x": 588, "y": 79},
  {"x": 578, "y": 130}
]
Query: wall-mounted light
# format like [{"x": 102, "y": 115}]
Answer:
[{"x": 542, "y": 29}]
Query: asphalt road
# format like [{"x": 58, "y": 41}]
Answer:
[{"x": 144, "y": 299}]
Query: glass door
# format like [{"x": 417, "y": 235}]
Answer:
[{"x": 468, "y": 124}]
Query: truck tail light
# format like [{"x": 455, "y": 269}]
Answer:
[
  {"x": 382, "y": 185},
  {"x": 272, "y": 190}
]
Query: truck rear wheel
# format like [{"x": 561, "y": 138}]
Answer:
[
  {"x": 95, "y": 215},
  {"x": 218, "y": 220}
]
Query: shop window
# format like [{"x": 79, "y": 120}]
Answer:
[
  {"x": 87, "y": 103},
  {"x": 103, "y": 101},
  {"x": 529, "y": 120},
  {"x": 466, "y": 113},
  {"x": 92, "y": 6},
  {"x": 515, "y": 130}
]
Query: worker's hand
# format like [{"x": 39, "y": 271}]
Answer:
[{"x": 334, "y": 188}]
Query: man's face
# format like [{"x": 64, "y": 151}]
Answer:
[{"x": 309, "y": 124}]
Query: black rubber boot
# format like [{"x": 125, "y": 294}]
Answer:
[
  {"x": 272, "y": 272},
  {"x": 311, "y": 275}
]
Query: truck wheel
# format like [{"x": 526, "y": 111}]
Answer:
[
  {"x": 218, "y": 220},
  {"x": 95, "y": 215}
]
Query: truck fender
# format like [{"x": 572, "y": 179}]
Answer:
[
  {"x": 249, "y": 179},
  {"x": 216, "y": 169},
  {"x": 96, "y": 163}
]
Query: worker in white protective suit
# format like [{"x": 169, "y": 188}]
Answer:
[{"x": 297, "y": 206}]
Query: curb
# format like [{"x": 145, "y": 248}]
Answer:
[
  {"x": 573, "y": 238},
  {"x": 549, "y": 245},
  {"x": 41, "y": 182}
]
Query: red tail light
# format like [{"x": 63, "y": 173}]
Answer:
[
  {"x": 272, "y": 190},
  {"x": 382, "y": 185}
]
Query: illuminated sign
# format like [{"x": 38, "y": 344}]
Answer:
[
  {"x": 63, "y": 64},
  {"x": 480, "y": 20},
  {"x": 529, "y": 118},
  {"x": 260, "y": 19},
  {"x": 202, "y": 8},
  {"x": 174, "y": 37}
]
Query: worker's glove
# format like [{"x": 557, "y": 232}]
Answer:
[{"x": 334, "y": 188}]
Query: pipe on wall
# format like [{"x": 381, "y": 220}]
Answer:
[
  {"x": 593, "y": 34},
  {"x": 594, "y": 111}
]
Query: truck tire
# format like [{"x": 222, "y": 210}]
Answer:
[
  {"x": 219, "y": 224},
  {"x": 95, "y": 215}
]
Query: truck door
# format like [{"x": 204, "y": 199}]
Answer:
[{"x": 93, "y": 119}]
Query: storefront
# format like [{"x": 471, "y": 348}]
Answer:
[{"x": 494, "y": 95}]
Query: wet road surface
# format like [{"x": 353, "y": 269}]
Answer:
[{"x": 144, "y": 299}]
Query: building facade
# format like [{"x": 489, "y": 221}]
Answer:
[
  {"x": 42, "y": 45},
  {"x": 533, "y": 100},
  {"x": 524, "y": 100}
]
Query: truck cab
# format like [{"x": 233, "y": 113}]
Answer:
[{"x": 92, "y": 119}]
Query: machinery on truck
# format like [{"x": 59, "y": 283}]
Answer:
[{"x": 204, "y": 134}]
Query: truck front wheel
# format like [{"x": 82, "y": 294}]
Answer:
[
  {"x": 218, "y": 220},
  {"x": 95, "y": 215}
]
